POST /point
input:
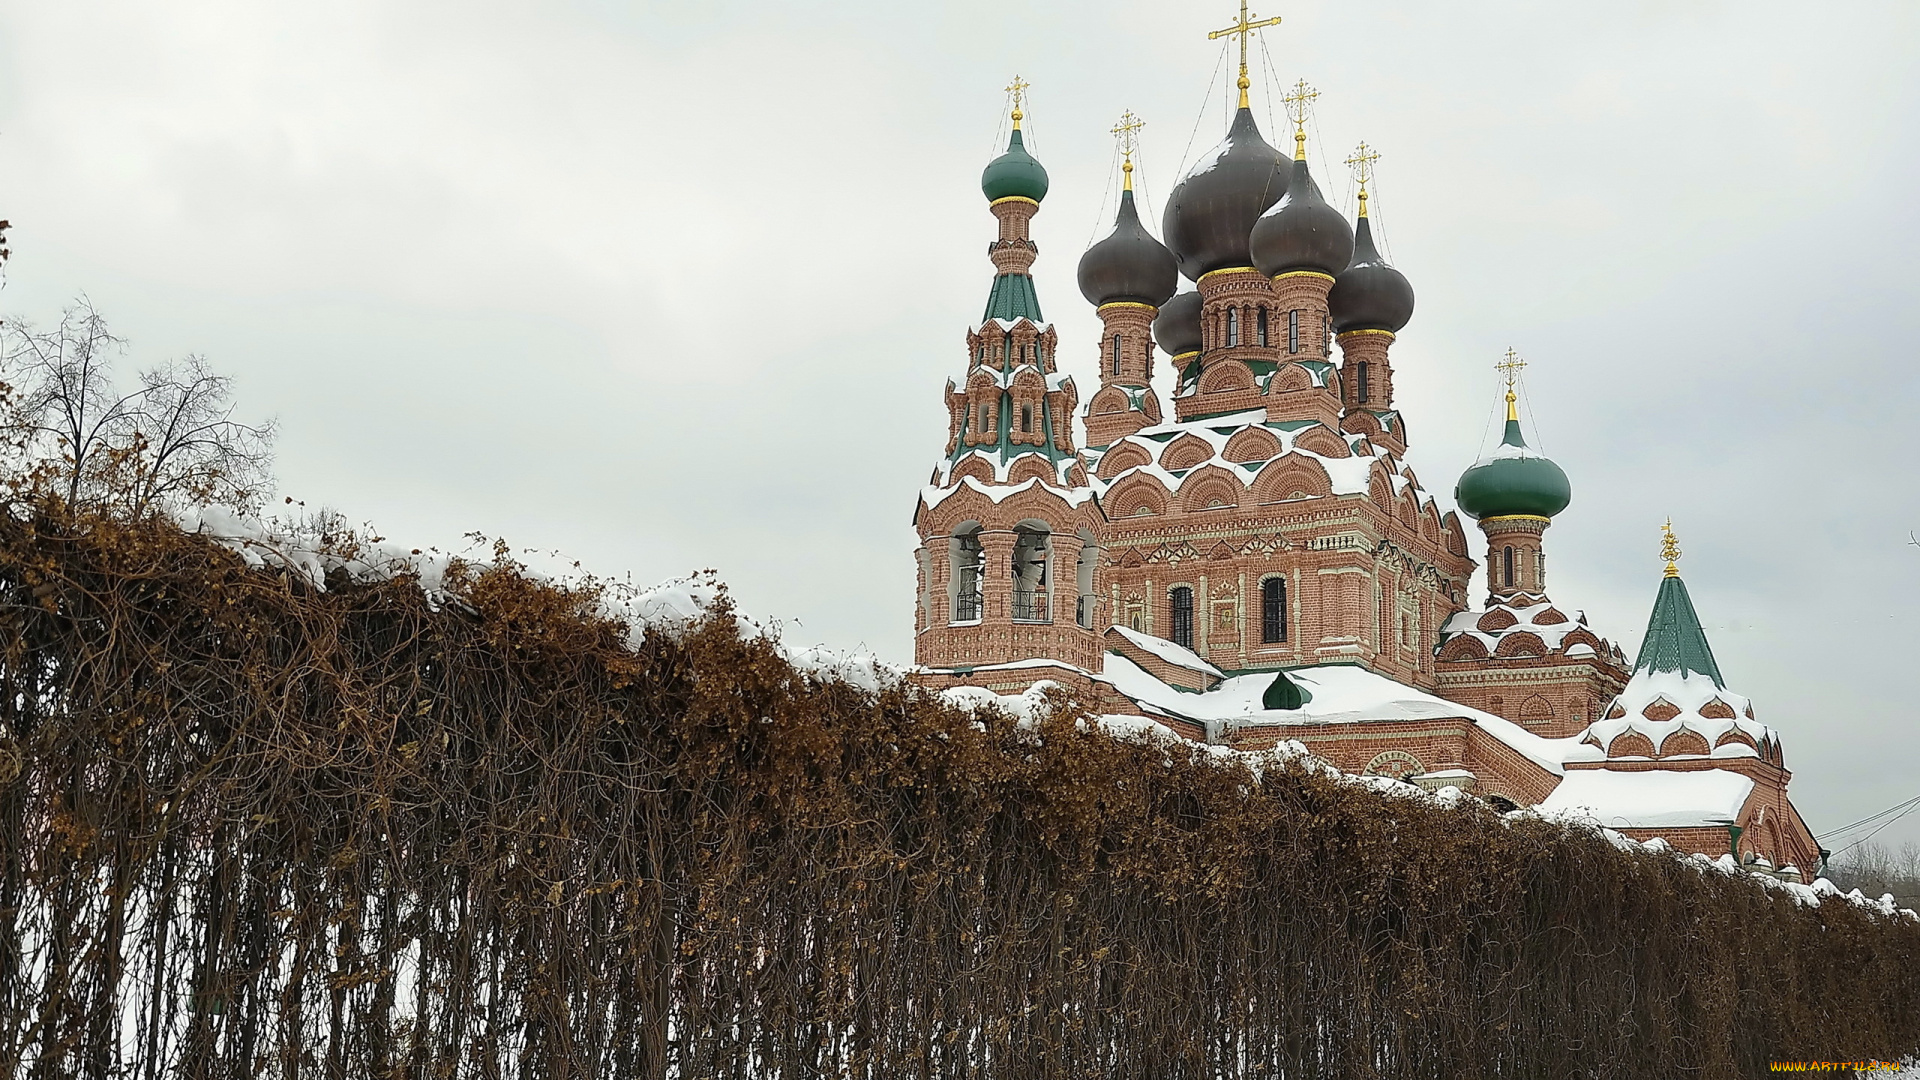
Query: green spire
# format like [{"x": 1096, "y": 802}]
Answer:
[
  {"x": 1013, "y": 298},
  {"x": 1675, "y": 641}
]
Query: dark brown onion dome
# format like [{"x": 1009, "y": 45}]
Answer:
[
  {"x": 1177, "y": 327},
  {"x": 1369, "y": 294},
  {"x": 1212, "y": 210},
  {"x": 1129, "y": 264},
  {"x": 1301, "y": 232}
]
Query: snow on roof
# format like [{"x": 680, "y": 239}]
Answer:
[
  {"x": 1683, "y": 695},
  {"x": 933, "y": 495},
  {"x": 1340, "y": 693},
  {"x": 1650, "y": 799},
  {"x": 1527, "y": 610},
  {"x": 1176, "y": 655},
  {"x": 1346, "y": 475}
]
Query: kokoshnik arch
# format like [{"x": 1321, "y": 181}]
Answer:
[{"x": 1266, "y": 564}]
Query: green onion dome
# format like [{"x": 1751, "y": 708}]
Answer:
[
  {"x": 1513, "y": 481},
  {"x": 1014, "y": 174},
  {"x": 1177, "y": 327},
  {"x": 1369, "y": 294},
  {"x": 1301, "y": 232},
  {"x": 1212, "y": 210},
  {"x": 1129, "y": 265}
]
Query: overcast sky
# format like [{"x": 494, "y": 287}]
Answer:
[{"x": 677, "y": 285}]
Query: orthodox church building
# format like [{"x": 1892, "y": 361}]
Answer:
[{"x": 1252, "y": 557}]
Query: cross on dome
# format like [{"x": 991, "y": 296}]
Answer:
[
  {"x": 1243, "y": 28},
  {"x": 1361, "y": 162},
  {"x": 1128, "y": 132},
  {"x": 1018, "y": 91},
  {"x": 1299, "y": 102},
  {"x": 1510, "y": 366}
]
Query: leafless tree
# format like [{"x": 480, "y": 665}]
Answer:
[{"x": 171, "y": 442}]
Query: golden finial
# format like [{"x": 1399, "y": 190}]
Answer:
[
  {"x": 1510, "y": 366},
  {"x": 1127, "y": 131},
  {"x": 1243, "y": 28},
  {"x": 1670, "y": 548},
  {"x": 1362, "y": 165},
  {"x": 1299, "y": 104},
  {"x": 1018, "y": 90}
]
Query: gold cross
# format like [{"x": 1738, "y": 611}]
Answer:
[
  {"x": 1510, "y": 366},
  {"x": 1243, "y": 28},
  {"x": 1670, "y": 548},
  {"x": 1127, "y": 130},
  {"x": 1299, "y": 102},
  {"x": 1362, "y": 165},
  {"x": 1018, "y": 90}
]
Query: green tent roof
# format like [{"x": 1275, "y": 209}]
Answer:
[
  {"x": 1675, "y": 641},
  {"x": 1013, "y": 298}
]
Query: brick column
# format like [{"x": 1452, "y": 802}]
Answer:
[
  {"x": 996, "y": 585},
  {"x": 1367, "y": 347},
  {"x": 1523, "y": 533}
]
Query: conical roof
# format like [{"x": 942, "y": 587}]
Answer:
[{"x": 1675, "y": 641}]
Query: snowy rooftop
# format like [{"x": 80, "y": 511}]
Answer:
[
  {"x": 1337, "y": 694},
  {"x": 1651, "y": 799}
]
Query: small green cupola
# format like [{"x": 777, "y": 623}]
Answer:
[
  {"x": 1513, "y": 480},
  {"x": 1015, "y": 174}
]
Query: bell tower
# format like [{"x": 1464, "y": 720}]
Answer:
[{"x": 1006, "y": 523}]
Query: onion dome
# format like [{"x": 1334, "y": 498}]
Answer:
[
  {"x": 1513, "y": 480},
  {"x": 1369, "y": 294},
  {"x": 1129, "y": 264},
  {"x": 1177, "y": 327},
  {"x": 1301, "y": 232},
  {"x": 1212, "y": 210},
  {"x": 1014, "y": 174}
]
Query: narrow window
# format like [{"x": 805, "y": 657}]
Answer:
[
  {"x": 1273, "y": 610},
  {"x": 1026, "y": 418},
  {"x": 1263, "y": 327},
  {"x": 1293, "y": 330},
  {"x": 1360, "y": 391},
  {"x": 1508, "y": 566},
  {"x": 1116, "y": 354},
  {"x": 1326, "y": 335},
  {"x": 1183, "y": 617},
  {"x": 1233, "y": 327}
]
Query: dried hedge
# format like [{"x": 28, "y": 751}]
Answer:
[{"x": 253, "y": 828}]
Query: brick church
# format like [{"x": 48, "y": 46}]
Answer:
[{"x": 1264, "y": 563}]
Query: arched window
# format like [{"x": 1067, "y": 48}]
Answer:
[
  {"x": 1273, "y": 610},
  {"x": 1263, "y": 326},
  {"x": 1030, "y": 558},
  {"x": 1507, "y": 560},
  {"x": 1293, "y": 330},
  {"x": 967, "y": 570},
  {"x": 1360, "y": 389},
  {"x": 1182, "y": 598},
  {"x": 1233, "y": 327},
  {"x": 1326, "y": 335},
  {"x": 1026, "y": 418},
  {"x": 1116, "y": 354}
]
